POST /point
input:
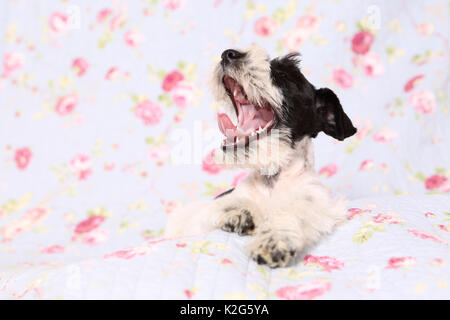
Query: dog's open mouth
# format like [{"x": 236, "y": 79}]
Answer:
[{"x": 252, "y": 120}]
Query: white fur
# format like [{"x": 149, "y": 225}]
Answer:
[
  {"x": 253, "y": 75},
  {"x": 193, "y": 219},
  {"x": 291, "y": 213},
  {"x": 268, "y": 154}
]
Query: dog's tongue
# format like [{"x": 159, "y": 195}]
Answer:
[
  {"x": 250, "y": 119},
  {"x": 226, "y": 126}
]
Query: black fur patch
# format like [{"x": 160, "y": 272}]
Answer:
[
  {"x": 224, "y": 193},
  {"x": 305, "y": 110},
  {"x": 334, "y": 121},
  {"x": 298, "y": 112},
  {"x": 241, "y": 223}
]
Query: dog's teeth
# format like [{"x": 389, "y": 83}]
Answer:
[{"x": 235, "y": 92}]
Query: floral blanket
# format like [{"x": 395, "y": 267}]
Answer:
[{"x": 98, "y": 98}]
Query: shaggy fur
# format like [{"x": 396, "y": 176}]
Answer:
[{"x": 282, "y": 203}]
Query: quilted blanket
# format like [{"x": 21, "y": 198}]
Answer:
[{"x": 97, "y": 99}]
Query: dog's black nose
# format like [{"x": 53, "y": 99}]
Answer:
[{"x": 231, "y": 55}]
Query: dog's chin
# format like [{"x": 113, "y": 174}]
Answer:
[{"x": 266, "y": 155}]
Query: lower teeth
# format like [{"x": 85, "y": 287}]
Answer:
[{"x": 237, "y": 140}]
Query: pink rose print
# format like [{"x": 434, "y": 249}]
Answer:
[
  {"x": 66, "y": 104},
  {"x": 25, "y": 223},
  {"x": 385, "y": 135},
  {"x": 356, "y": 211},
  {"x": 435, "y": 182},
  {"x": 382, "y": 218},
  {"x": 89, "y": 224},
  {"x": 423, "y": 101},
  {"x": 130, "y": 253},
  {"x": 171, "y": 80},
  {"x": 364, "y": 126},
  {"x": 429, "y": 214},
  {"x": 109, "y": 166},
  {"x": 425, "y": 236},
  {"x": 80, "y": 65},
  {"x": 173, "y": 4},
  {"x": 327, "y": 263},
  {"x": 125, "y": 254},
  {"x": 169, "y": 206},
  {"x": 182, "y": 94},
  {"x": 208, "y": 164},
  {"x": 133, "y": 38},
  {"x": 437, "y": 262},
  {"x": 239, "y": 177},
  {"x": 412, "y": 83},
  {"x": 59, "y": 23},
  {"x": 444, "y": 228},
  {"x": 22, "y": 158},
  {"x": 178, "y": 117},
  {"x": 329, "y": 170},
  {"x": 371, "y": 64},
  {"x": 12, "y": 61},
  {"x": 118, "y": 21},
  {"x": 343, "y": 78},
  {"x": 94, "y": 237},
  {"x": 367, "y": 165},
  {"x": 425, "y": 28},
  {"x": 53, "y": 249},
  {"x": 305, "y": 26},
  {"x": 160, "y": 153},
  {"x": 112, "y": 74},
  {"x": 306, "y": 291},
  {"x": 103, "y": 15},
  {"x": 308, "y": 22},
  {"x": 265, "y": 26},
  {"x": 445, "y": 187},
  {"x": 293, "y": 39},
  {"x": 81, "y": 165},
  {"x": 362, "y": 42},
  {"x": 149, "y": 112},
  {"x": 403, "y": 262},
  {"x": 189, "y": 293}
]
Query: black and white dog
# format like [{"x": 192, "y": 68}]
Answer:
[{"x": 273, "y": 114}]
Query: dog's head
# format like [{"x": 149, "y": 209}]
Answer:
[{"x": 270, "y": 107}]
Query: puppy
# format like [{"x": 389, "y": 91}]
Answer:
[{"x": 272, "y": 114}]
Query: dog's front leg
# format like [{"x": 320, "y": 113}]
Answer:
[
  {"x": 277, "y": 242},
  {"x": 290, "y": 229},
  {"x": 238, "y": 214}
]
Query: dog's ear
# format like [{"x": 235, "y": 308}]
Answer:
[{"x": 333, "y": 120}]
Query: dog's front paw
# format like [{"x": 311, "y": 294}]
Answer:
[
  {"x": 239, "y": 221},
  {"x": 272, "y": 248}
]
